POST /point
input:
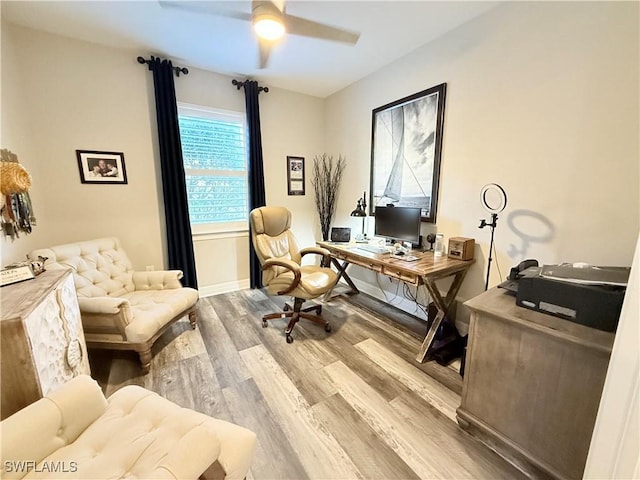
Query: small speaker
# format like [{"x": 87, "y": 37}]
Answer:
[{"x": 461, "y": 248}]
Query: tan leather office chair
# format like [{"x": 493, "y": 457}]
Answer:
[{"x": 282, "y": 272}]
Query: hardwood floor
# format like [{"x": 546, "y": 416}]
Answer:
[{"x": 352, "y": 403}]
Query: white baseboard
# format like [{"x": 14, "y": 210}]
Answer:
[{"x": 226, "y": 287}]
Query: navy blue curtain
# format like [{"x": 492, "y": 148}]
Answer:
[
  {"x": 174, "y": 189},
  {"x": 256, "y": 168}
]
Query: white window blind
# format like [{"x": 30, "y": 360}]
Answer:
[{"x": 215, "y": 163}]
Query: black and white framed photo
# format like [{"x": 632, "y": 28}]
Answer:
[
  {"x": 295, "y": 175},
  {"x": 406, "y": 146},
  {"x": 101, "y": 167}
]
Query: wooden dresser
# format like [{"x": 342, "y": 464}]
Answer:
[
  {"x": 532, "y": 385},
  {"x": 41, "y": 338}
]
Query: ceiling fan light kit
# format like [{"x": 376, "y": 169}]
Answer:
[
  {"x": 267, "y": 20},
  {"x": 268, "y": 28}
]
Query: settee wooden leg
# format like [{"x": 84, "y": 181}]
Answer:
[
  {"x": 145, "y": 360},
  {"x": 193, "y": 318}
]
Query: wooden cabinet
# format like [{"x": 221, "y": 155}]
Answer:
[
  {"x": 41, "y": 339},
  {"x": 532, "y": 385}
]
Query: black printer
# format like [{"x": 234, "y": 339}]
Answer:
[{"x": 580, "y": 293}]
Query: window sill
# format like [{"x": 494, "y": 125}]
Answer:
[{"x": 205, "y": 237}]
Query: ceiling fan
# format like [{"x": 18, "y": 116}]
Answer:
[{"x": 270, "y": 22}]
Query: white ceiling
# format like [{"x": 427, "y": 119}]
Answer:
[{"x": 389, "y": 30}]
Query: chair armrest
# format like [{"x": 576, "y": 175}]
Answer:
[
  {"x": 289, "y": 265},
  {"x": 326, "y": 254},
  {"x": 157, "y": 280},
  {"x": 106, "y": 305},
  {"x": 43, "y": 427},
  {"x": 99, "y": 313}
]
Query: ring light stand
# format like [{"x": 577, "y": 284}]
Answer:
[{"x": 494, "y": 200}]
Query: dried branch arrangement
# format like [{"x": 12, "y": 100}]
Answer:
[{"x": 327, "y": 175}]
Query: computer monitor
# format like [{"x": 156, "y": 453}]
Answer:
[{"x": 399, "y": 223}]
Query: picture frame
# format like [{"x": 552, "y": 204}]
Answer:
[
  {"x": 406, "y": 148},
  {"x": 101, "y": 167},
  {"x": 295, "y": 175}
]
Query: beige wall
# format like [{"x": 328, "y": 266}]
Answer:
[
  {"x": 542, "y": 98},
  {"x": 60, "y": 95},
  {"x": 70, "y": 95}
]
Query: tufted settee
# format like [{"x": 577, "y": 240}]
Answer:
[
  {"x": 121, "y": 308},
  {"x": 75, "y": 433}
]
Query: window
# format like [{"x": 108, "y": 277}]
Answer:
[{"x": 215, "y": 164}]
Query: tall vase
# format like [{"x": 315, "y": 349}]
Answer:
[{"x": 325, "y": 233}]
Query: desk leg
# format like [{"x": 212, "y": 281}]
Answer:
[
  {"x": 442, "y": 304},
  {"x": 342, "y": 273}
]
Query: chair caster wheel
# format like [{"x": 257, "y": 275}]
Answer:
[
  {"x": 289, "y": 339},
  {"x": 327, "y": 327},
  {"x": 319, "y": 310},
  {"x": 286, "y": 308},
  {"x": 264, "y": 324}
]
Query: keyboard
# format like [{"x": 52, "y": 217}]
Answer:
[{"x": 372, "y": 248}]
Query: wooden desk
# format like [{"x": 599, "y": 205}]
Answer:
[{"x": 427, "y": 270}]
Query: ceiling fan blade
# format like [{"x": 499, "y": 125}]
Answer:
[
  {"x": 307, "y": 28},
  {"x": 264, "y": 47},
  {"x": 208, "y": 8}
]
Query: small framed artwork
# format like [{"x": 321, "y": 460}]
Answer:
[
  {"x": 101, "y": 167},
  {"x": 295, "y": 175}
]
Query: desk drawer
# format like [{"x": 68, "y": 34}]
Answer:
[
  {"x": 363, "y": 262},
  {"x": 395, "y": 272}
]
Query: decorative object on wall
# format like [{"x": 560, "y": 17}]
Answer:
[
  {"x": 494, "y": 200},
  {"x": 327, "y": 175},
  {"x": 361, "y": 211},
  {"x": 406, "y": 145},
  {"x": 101, "y": 167},
  {"x": 295, "y": 175},
  {"x": 15, "y": 203}
]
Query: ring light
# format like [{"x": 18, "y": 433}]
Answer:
[{"x": 493, "y": 198}]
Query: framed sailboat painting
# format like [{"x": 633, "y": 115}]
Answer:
[{"x": 406, "y": 145}]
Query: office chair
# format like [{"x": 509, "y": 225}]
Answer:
[{"x": 282, "y": 273}]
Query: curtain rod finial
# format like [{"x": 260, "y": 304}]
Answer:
[{"x": 182, "y": 70}]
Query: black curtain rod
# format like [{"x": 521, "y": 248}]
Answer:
[
  {"x": 178, "y": 70},
  {"x": 239, "y": 85}
]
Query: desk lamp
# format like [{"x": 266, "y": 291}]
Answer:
[{"x": 361, "y": 211}]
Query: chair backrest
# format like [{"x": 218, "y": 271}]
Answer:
[
  {"x": 272, "y": 238},
  {"x": 100, "y": 267}
]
